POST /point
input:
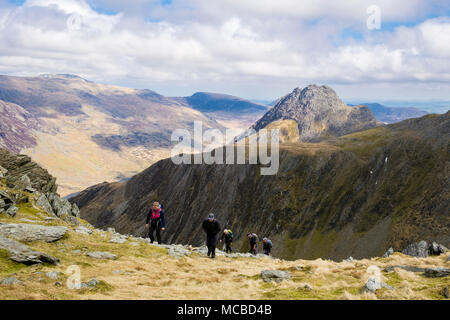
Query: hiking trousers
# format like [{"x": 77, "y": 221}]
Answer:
[
  {"x": 155, "y": 225},
  {"x": 211, "y": 241},
  {"x": 228, "y": 247}
]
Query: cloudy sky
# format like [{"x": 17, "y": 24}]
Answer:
[{"x": 258, "y": 49}]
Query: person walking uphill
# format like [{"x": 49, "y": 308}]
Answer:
[
  {"x": 227, "y": 236},
  {"x": 253, "y": 238},
  {"x": 156, "y": 221},
  {"x": 267, "y": 246},
  {"x": 212, "y": 228}
]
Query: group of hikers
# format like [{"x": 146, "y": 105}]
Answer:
[{"x": 156, "y": 222}]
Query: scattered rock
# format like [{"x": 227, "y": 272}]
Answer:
[
  {"x": 116, "y": 239},
  {"x": 83, "y": 230},
  {"x": 10, "y": 281},
  {"x": 388, "y": 253},
  {"x": 276, "y": 275},
  {"x": 178, "y": 252},
  {"x": 23, "y": 254},
  {"x": 58, "y": 284},
  {"x": 307, "y": 287},
  {"x": 53, "y": 275},
  {"x": 102, "y": 255},
  {"x": 134, "y": 244},
  {"x": 418, "y": 249},
  {"x": 436, "y": 272},
  {"x": 349, "y": 259},
  {"x": 76, "y": 252},
  {"x": 32, "y": 232},
  {"x": 90, "y": 284}
]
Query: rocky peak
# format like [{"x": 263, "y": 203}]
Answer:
[{"x": 319, "y": 112}]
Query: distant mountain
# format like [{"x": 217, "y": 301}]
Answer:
[
  {"x": 319, "y": 113},
  {"x": 84, "y": 132},
  {"x": 393, "y": 114},
  {"x": 354, "y": 195},
  {"x": 230, "y": 111},
  {"x": 216, "y": 102}
]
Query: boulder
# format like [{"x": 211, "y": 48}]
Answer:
[
  {"x": 276, "y": 275},
  {"x": 12, "y": 211},
  {"x": 373, "y": 284},
  {"x": 437, "y": 249},
  {"x": 388, "y": 253},
  {"x": 418, "y": 249},
  {"x": 102, "y": 255},
  {"x": 32, "y": 232},
  {"x": 349, "y": 259},
  {"x": 44, "y": 204},
  {"x": 23, "y": 254}
]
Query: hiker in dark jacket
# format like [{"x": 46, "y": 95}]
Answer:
[
  {"x": 156, "y": 221},
  {"x": 212, "y": 228},
  {"x": 253, "y": 238},
  {"x": 267, "y": 246},
  {"x": 227, "y": 237}
]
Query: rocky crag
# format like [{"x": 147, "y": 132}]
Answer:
[{"x": 319, "y": 113}]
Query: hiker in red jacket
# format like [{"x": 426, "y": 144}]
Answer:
[{"x": 156, "y": 221}]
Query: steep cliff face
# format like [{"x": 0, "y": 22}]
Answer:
[
  {"x": 354, "y": 195},
  {"x": 319, "y": 113}
]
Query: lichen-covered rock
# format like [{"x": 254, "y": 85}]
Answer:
[{"x": 23, "y": 254}]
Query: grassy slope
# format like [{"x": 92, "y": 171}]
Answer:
[{"x": 148, "y": 272}]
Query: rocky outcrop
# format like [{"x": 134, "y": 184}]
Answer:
[
  {"x": 319, "y": 113},
  {"x": 32, "y": 232},
  {"x": 422, "y": 249},
  {"x": 23, "y": 173}
]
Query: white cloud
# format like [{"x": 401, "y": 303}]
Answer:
[{"x": 240, "y": 42}]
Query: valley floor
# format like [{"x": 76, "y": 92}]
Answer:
[{"x": 145, "y": 271}]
